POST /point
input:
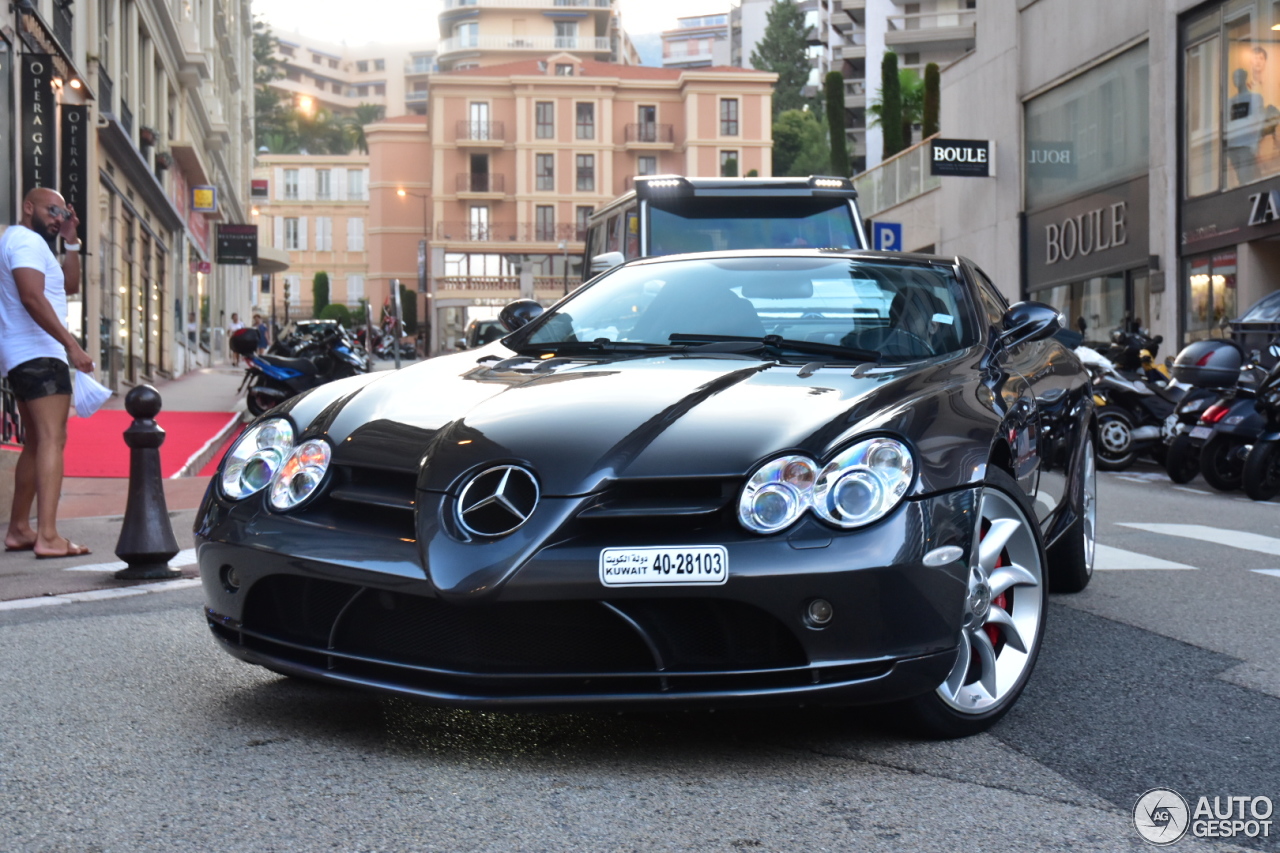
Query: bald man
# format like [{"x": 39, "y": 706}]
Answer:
[{"x": 35, "y": 348}]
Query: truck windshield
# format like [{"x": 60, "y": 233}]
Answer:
[{"x": 718, "y": 224}]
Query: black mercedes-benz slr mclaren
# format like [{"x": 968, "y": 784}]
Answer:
[{"x": 715, "y": 479}]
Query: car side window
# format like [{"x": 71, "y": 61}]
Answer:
[{"x": 993, "y": 303}]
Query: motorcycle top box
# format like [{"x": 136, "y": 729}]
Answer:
[
  {"x": 1209, "y": 364},
  {"x": 244, "y": 341}
]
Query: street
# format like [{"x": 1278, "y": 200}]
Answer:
[{"x": 123, "y": 728}]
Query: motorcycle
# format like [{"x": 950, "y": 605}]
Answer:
[
  {"x": 1214, "y": 367},
  {"x": 272, "y": 379},
  {"x": 1228, "y": 429},
  {"x": 1260, "y": 478}
]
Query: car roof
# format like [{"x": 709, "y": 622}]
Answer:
[{"x": 867, "y": 255}]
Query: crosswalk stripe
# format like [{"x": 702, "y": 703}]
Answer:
[
  {"x": 1218, "y": 535},
  {"x": 183, "y": 558},
  {"x": 1109, "y": 559},
  {"x": 1275, "y": 573}
]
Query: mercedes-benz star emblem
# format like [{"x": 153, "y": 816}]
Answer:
[{"x": 497, "y": 501}]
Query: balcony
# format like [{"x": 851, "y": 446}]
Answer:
[
  {"x": 542, "y": 44},
  {"x": 649, "y": 135},
  {"x": 933, "y": 30},
  {"x": 528, "y": 4},
  {"x": 855, "y": 94},
  {"x": 897, "y": 180},
  {"x": 63, "y": 24},
  {"x": 509, "y": 232},
  {"x": 483, "y": 134},
  {"x": 416, "y": 97},
  {"x": 479, "y": 183}
]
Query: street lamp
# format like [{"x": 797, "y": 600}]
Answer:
[{"x": 424, "y": 281}]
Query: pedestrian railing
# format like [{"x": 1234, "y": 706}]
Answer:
[{"x": 896, "y": 180}]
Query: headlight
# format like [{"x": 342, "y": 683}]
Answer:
[
  {"x": 256, "y": 458},
  {"x": 301, "y": 474},
  {"x": 863, "y": 483},
  {"x": 777, "y": 494}
]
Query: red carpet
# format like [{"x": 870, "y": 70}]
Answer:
[
  {"x": 211, "y": 467},
  {"x": 96, "y": 448}
]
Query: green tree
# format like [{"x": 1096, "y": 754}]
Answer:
[
  {"x": 932, "y": 100},
  {"x": 319, "y": 293},
  {"x": 268, "y": 114},
  {"x": 364, "y": 114},
  {"x": 729, "y": 168},
  {"x": 911, "y": 95},
  {"x": 799, "y": 145},
  {"x": 336, "y": 311},
  {"x": 409, "y": 310},
  {"x": 890, "y": 105},
  {"x": 783, "y": 51},
  {"x": 835, "y": 124}
]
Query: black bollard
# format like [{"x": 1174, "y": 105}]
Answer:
[{"x": 146, "y": 541}]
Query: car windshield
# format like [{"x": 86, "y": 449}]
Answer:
[
  {"x": 898, "y": 310},
  {"x": 1265, "y": 310},
  {"x": 726, "y": 224}
]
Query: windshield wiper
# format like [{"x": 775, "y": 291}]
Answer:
[
  {"x": 599, "y": 345},
  {"x": 779, "y": 344}
]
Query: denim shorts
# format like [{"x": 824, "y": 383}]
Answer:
[{"x": 40, "y": 377}]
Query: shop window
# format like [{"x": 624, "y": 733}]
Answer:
[{"x": 1209, "y": 296}]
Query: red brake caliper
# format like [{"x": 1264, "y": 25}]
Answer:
[{"x": 1001, "y": 600}]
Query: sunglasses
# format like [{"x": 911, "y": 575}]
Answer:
[{"x": 59, "y": 212}]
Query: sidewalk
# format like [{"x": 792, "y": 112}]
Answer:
[{"x": 92, "y": 508}]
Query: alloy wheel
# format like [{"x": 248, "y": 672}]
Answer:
[
  {"x": 1004, "y": 608},
  {"x": 1089, "y": 505}
]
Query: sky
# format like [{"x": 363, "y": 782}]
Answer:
[{"x": 397, "y": 21}]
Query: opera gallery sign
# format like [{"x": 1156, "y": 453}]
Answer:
[{"x": 1099, "y": 233}]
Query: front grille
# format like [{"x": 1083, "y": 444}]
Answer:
[
  {"x": 675, "y": 496},
  {"x": 524, "y": 648},
  {"x": 369, "y": 500}
]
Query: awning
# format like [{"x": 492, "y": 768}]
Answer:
[{"x": 271, "y": 261}]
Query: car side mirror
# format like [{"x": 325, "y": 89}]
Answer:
[
  {"x": 606, "y": 262},
  {"x": 518, "y": 313},
  {"x": 1029, "y": 321}
]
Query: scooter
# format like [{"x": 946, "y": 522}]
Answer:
[
  {"x": 272, "y": 379},
  {"x": 1132, "y": 411},
  {"x": 1260, "y": 478},
  {"x": 1229, "y": 428}
]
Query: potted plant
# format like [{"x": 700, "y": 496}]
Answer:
[{"x": 163, "y": 160}]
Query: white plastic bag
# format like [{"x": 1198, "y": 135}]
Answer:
[{"x": 90, "y": 394}]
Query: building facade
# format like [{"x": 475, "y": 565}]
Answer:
[
  {"x": 318, "y": 74},
  {"x": 140, "y": 113},
  {"x": 698, "y": 41},
  {"x": 493, "y": 32},
  {"x": 315, "y": 208}
]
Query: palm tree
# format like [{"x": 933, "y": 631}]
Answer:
[
  {"x": 365, "y": 114},
  {"x": 912, "y": 86}
]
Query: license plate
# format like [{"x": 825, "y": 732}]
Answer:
[
  {"x": 695, "y": 565},
  {"x": 1201, "y": 431}
]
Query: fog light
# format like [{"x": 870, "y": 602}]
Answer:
[
  {"x": 230, "y": 579},
  {"x": 820, "y": 612}
]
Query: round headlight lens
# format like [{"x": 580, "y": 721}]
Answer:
[
  {"x": 777, "y": 494},
  {"x": 301, "y": 474},
  {"x": 862, "y": 484},
  {"x": 255, "y": 458}
]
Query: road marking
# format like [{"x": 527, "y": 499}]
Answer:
[
  {"x": 1137, "y": 477},
  {"x": 183, "y": 558},
  {"x": 1192, "y": 491},
  {"x": 1275, "y": 573},
  {"x": 1221, "y": 536},
  {"x": 98, "y": 594},
  {"x": 1109, "y": 559}
]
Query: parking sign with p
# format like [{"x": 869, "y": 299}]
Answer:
[{"x": 886, "y": 236}]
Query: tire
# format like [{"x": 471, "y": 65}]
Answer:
[
  {"x": 971, "y": 699},
  {"x": 1071, "y": 557},
  {"x": 1115, "y": 439},
  {"x": 1182, "y": 460},
  {"x": 1218, "y": 464},
  {"x": 1261, "y": 476},
  {"x": 259, "y": 404}
]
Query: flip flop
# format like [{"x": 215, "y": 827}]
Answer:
[
  {"x": 28, "y": 547},
  {"x": 73, "y": 550}
]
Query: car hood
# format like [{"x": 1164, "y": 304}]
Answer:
[{"x": 579, "y": 425}]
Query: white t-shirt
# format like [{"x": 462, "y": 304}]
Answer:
[{"x": 21, "y": 338}]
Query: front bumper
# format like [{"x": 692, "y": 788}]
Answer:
[{"x": 359, "y": 608}]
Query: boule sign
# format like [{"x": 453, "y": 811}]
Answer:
[{"x": 967, "y": 158}]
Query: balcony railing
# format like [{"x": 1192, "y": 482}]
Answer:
[
  {"x": 933, "y": 20},
  {"x": 529, "y": 4},
  {"x": 649, "y": 132},
  {"x": 416, "y": 96},
  {"x": 126, "y": 118},
  {"x": 480, "y": 131},
  {"x": 898, "y": 179},
  {"x": 540, "y": 43},
  {"x": 509, "y": 232},
  {"x": 479, "y": 182}
]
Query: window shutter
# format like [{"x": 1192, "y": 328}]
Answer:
[
  {"x": 279, "y": 170},
  {"x": 278, "y": 223},
  {"x": 338, "y": 184},
  {"x": 302, "y": 233}
]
